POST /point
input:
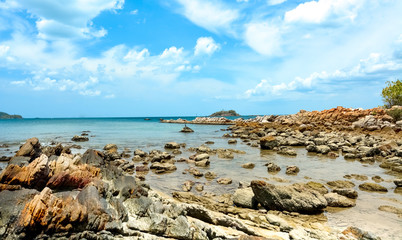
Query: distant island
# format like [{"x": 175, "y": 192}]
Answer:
[
  {"x": 4, "y": 115},
  {"x": 223, "y": 113}
]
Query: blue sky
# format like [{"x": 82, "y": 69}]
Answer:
[{"x": 105, "y": 58}]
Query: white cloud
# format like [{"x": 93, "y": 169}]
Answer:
[
  {"x": 133, "y": 55},
  {"x": 18, "y": 82},
  {"x": 134, "y": 12},
  {"x": 246, "y": 1},
  {"x": 3, "y": 50},
  {"x": 263, "y": 38},
  {"x": 323, "y": 10},
  {"x": 275, "y": 2},
  {"x": 205, "y": 45},
  {"x": 213, "y": 16},
  {"x": 66, "y": 18}
]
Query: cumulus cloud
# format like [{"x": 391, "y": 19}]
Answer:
[
  {"x": 323, "y": 10},
  {"x": 211, "y": 15},
  {"x": 66, "y": 18},
  {"x": 263, "y": 38},
  {"x": 205, "y": 45}
]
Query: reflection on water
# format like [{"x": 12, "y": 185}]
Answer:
[{"x": 130, "y": 134}]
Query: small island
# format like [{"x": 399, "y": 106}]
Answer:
[
  {"x": 4, "y": 115},
  {"x": 223, "y": 113}
]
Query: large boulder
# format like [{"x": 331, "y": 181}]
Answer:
[
  {"x": 31, "y": 148},
  {"x": 93, "y": 157},
  {"x": 268, "y": 142},
  {"x": 336, "y": 200},
  {"x": 244, "y": 197},
  {"x": 293, "y": 198}
]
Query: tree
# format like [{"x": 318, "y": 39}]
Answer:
[{"x": 392, "y": 93}]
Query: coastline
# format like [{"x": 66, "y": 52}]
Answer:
[{"x": 309, "y": 135}]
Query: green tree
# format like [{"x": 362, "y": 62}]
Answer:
[{"x": 392, "y": 93}]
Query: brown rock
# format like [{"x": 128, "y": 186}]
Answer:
[
  {"x": 292, "y": 170},
  {"x": 31, "y": 148},
  {"x": 372, "y": 187},
  {"x": 248, "y": 165},
  {"x": 224, "y": 181}
]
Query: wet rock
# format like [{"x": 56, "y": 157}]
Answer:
[
  {"x": 210, "y": 175},
  {"x": 340, "y": 184},
  {"x": 110, "y": 148},
  {"x": 287, "y": 151},
  {"x": 336, "y": 200},
  {"x": 268, "y": 142},
  {"x": 195, "y": 172},
  {"x": 187, "y": 185},
  {"x": 248, "y": 165},
  {"x": 31, "y": 148},
  {"x": 372, "y": 187},
  {"x": 278, "y": 221},
  {"x": 56, "y": 150},
  {"x": 209, "y": 142},
  {"x": 244, "y": 197},
  {"x": 232, "y": 141},
  {"x": 224, "y": 181},
  {"x": 358, "y": 177},
  {"x": 377, "y": 179},
  {"x": 356, "y": 233},
  {"x": 140, "y": 153},
  {"x": 201, "y": 157},
  {"x": 323, "y": 149},
  {"x": 317, "y": 187},
  {"x": 288, "y": 198},
  {"x": 391, "y": 209},
  {"x": 93, "y": 157},
  {"x": 199, "y": 187},
  {"x": 225, "y": 153},
  {"x": 127, "y": 187},
  {"x": 292, "y": 170},
  {"x": 172, "y": 145},
  {"x": 142, "y": 168},
  {"x": 186, "y": 130},
  {"x": 273, "y": 168},
  {"x": 347, "y": 192},
  {"x": 398, "y": 182},
  {"x": 163, "y": 167},
  {"x": 78, "y": 138},
  {"x": 202, "y": 163},
  {"x": 35, "y": 175}
]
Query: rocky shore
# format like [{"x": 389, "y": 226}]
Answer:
[{"x": 49, "y": 193}]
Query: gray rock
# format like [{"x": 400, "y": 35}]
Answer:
[
  {"x": 186, "y": 130},
  {"x": 93, "y": 157},
  {"x": 244, "y": 197},
  {"x": 350, "y": 193},
  {"x": 336, "y": 200},
  {"x": 180, "y": 228},
  {"x": 163, "y": 167},
  {"x": 288, "y": 198},
  {"x": 287, "y": 151},
  {"x": 269, "y": 142},
  {"x": 323, "y": 149}
]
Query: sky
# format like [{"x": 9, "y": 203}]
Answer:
[{"x": 133, "y": 58}]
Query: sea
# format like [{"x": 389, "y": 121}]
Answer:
[{"x": 148, "y": 133}]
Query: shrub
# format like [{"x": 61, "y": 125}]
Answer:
[
  {"x": 392, "y": 93},
  {"x": 395, "y": 113}
]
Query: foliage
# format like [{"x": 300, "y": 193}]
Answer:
[
  {"x": 225, "y": 113},
  {"x": 4, "y": 115},
  {"x": 392, "y": 93},
  {"x": 395, "y": 113}
]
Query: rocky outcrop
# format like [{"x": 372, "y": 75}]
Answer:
[
  {"x": 31, "y": 148},
  {"x": 186, "y": 130},
  {"x": 288, "y": 198},
  {"x": 269, "y": 142}
]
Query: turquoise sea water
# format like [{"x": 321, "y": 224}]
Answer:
[{"x": 133, "y": 133}]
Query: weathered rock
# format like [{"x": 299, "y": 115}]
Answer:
[
  {"x": 372, "y": 187},
  {"x": 127, "y": 187},
  {"x": 232, "y": 141},
  {"x": 288, "y": 198},
  {"x": 172, "y": 145},
  {"x": 195, "y": 172},
  {"x": 31, "y": 148},
  {"x": 142, "y": 168},
  {"x": 140, "y": 153},
  {"x": 111, "y": 148},
  {"x": 78, "y": 138},
  {"x": 323, "y": 149},
  {"x": 317, "y": 187},
  {"x": 287, "y": 151},
  {"x": 35, "y": 175},
  {"x": 356, "y": 233},
  {"x": 187, "y": 185},
  {"x": 336, "y": 200},
  {"x": 340, "y": 184},
  {"x": 273, "y": 168},
  {"x": 225, "y": 153},
  {"x": 268, "y": 142},
  {"x": 78, "y": 177},
  {"x": 19, "y": 161},
  {"x": 347, "y": 192},
  {"x": 398, "y": 182},
  {"x": 224, "y": 181},
  {"x": 292, "y": 170},
  {"x": 199, "y": 187},
  {"x": 93, "y": 157},
  {"x": 210, "y": 175},
  {"x": 391, "y": 209},
  {"x": 244, "y": 197},
  {"x": 248, "y": 165},
  {"x": 186, "y": 130},
  {"x": 201, "y": 157},
  {"x": 163, "y": 167},
  {"x": 56, "y": 150},
  {"x": 202, "y": 163}
]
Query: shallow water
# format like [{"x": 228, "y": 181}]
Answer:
[{"x": 133, "y": 133}]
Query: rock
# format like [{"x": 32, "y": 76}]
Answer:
[
  {"x": 127, "y": 187},
  {"x": 391, "y": 209},
  {"x": 142, "y": 168},
  {"x": 372, "y": 187},
  {"x": 336, "y": 200},
  {"x": 172, "y": 145},
  {"x": 35, "y": 175},
  {"x": 350, "y": 193},
  {"x": 111, "y": 148},
  {"x": 199, "y": 187},
  {"x": 210, "y": 175},
  {"x": 323, "y": 149},
  {"x": 202, "y": 163},
  {"x": 287, "y": 151},
  {"x": 73, "y": 178},
  {"x": 292, "y": 170},
  {"x": 186, "y": 130},
  {"x": 273, "y": 168},
  {"x": 209, "y": 142},
  {"x": 187, "y": 185},
  {"x": 31, "y": 148},
  {"x": 19, "y": 161},
  {"x": 377, "y": 179},
  {"x": 140, "y": 153},
  {"x": 201, "y": 157},
  {"x": 195, "y": 172},
  {"x": 225, "y": 153},
  {"x": 224, "y": 181},
  {"x": 358, "y": 177},
  {"x": 244, "y": 197},
  {"x": 77, "y": 138},
  {"x": 180, "y": 229},
  {"x": 356, "y": 233},
  {"x": 278, "y": 221},
  {"x": 163, "y": 167},
  {"x": 317, "y": 187},
  {"x": 56, "y": 150},
  {"x": 232, "y": 141},
  {"x": 268, "y": 142},
  {"x": 248, "y": 165},
  {"x": 288, "y": 198},
  {"x": 93, "y": 157},
  {"x": 398, "y": 182},
  {"x": 340, "y": 184}
]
